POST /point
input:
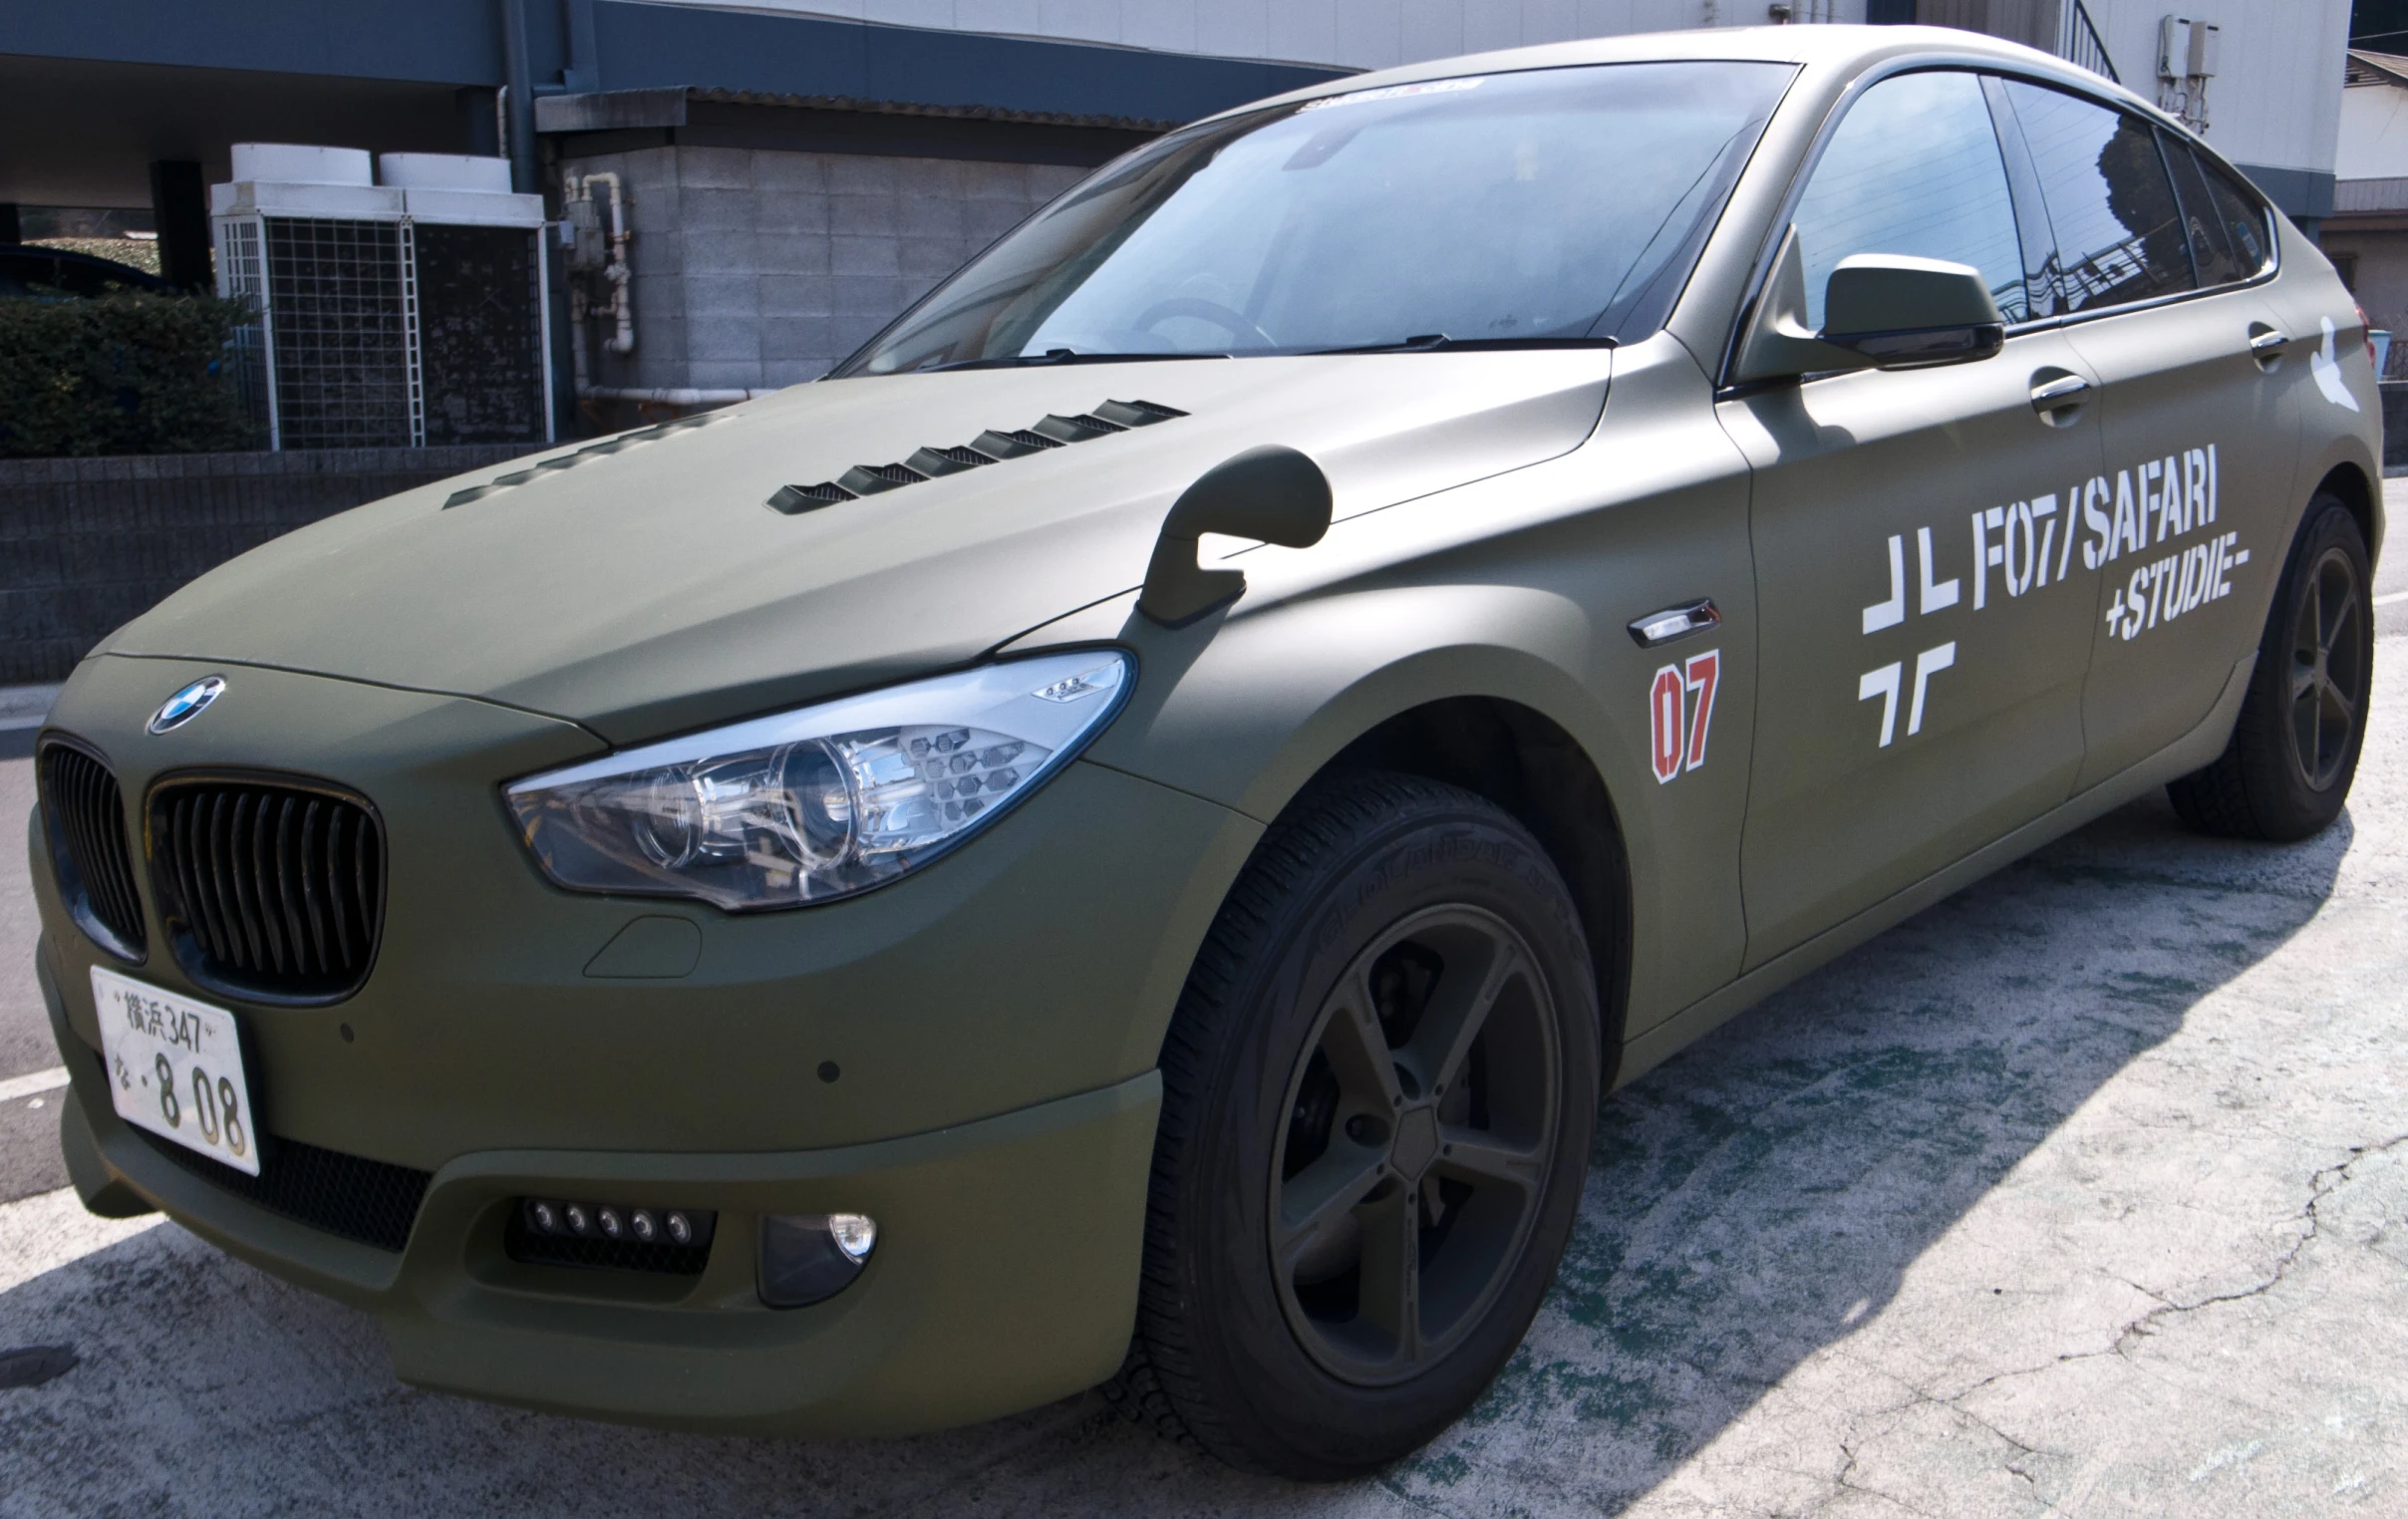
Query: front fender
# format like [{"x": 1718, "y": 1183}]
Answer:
[{"x": 1515, "y": 588}]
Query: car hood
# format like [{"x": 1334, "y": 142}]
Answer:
[{"x": 649, "y": 588}]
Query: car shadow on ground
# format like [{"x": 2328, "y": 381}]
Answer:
[{"x": 1750, "y": 1202}]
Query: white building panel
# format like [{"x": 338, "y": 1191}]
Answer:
[{"x": 2276, "y": 99}]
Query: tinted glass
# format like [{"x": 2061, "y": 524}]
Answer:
[
  {"x": 1913, "y": 168},
  {"x": 2211, "y": 252},
  {"x": 1548, "y": 205},
  {"x": 2119, "y": 231},
  {"x": 2032, "y": 215},
  {"x": 2242, "y": 217}
]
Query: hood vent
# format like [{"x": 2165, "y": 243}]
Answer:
[
  {"x": 987, "y": 447},
  {"x": 585, "y": 455}
]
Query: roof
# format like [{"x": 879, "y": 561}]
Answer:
[
  {"x": 2366, "y": 68},
  {"x": 1846, "y": 47}
]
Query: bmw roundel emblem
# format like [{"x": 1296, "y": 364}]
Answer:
[{"x": 186, "y": 703}]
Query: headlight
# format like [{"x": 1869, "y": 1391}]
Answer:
[{"x": 823, "y": 802}]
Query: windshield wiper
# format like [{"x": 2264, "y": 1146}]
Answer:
[
  {"x": 1060, "y": 356},
  {"x": 1438, "y": 342}
]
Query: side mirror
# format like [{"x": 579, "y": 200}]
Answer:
[
  {"x": 1273, "y": 493},
  {"x": 1880, "y": 311}
]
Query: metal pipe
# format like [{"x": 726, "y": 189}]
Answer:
[
  {"x": 622, "y": 308},
  {"x": 521, "y": 97}
]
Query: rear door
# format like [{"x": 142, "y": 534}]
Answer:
[
  {"x": 1921, "y": 647},
  {"x": 2190, "y": 513}
]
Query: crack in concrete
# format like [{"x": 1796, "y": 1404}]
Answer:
[{"x": 2321, "y": 1185}]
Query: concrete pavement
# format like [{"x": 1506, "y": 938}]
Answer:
[{"x": 2084, "y": 1193}]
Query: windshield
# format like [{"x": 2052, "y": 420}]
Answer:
[{"x": 1556, "y": 204}]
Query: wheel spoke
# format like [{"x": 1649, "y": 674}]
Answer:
[
  {"x": 1448, "y": 1040},
  {"x": 2306, "y": 722},
  {"x": 2328, "y": 627},
  {"x": 1479, "y": 1158},
  {"x": 2304, "y": 679},
  {"x": 1392, "y": 1270},
  {"x": 1357, "y": 1050},
  {"x": 2339, "y": 703},
  {"x": 1320, "y": 1195}
]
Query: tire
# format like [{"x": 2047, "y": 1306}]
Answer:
[
  {"x": 1384, "y": 921},
  {"x": 2294, "y": 747}
]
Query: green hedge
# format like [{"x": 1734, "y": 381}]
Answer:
[{"x": 121, "y": 374}]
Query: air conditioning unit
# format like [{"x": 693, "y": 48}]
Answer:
[{"x": 399, "y": 304}]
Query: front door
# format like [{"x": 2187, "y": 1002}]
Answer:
[{"x": 1923, "y": 638}]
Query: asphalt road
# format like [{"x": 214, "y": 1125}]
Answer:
[{"x": 2084, "y": 1193}]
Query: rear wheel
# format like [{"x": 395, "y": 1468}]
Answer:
[
  {"x": 2295, "y": 748},
  {"x": 1379, "y": 1091}
]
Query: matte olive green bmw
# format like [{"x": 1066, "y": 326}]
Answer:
[{"x": 1122, "y": 837}]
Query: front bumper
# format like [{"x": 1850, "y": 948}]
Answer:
[
  {"x": 994, "y": 1019},
  {"x": 1006, "y": 1272}
]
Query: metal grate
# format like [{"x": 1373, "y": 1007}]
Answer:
[
  {"x": 86, "y": 815},
  {"x": 339, "y": 333},
  {"x": 370, "y": 1201},
  {"x": 481, "y": 333},
  {"x": 241, "y": 277},
  {"x": 268, "y": 890}
]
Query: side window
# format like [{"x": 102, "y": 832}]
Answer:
[
  {"x": 1913, "y": 168},
  {"x": 2244, "y": 217},
  {"x": 2212, "y": 252},
  {"x": 2119, "y": 230}
]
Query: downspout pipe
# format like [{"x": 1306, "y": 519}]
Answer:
[{"x": 521, "y": 99}]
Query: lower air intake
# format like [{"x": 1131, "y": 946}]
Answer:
[{"x": 365, "y": 1200}]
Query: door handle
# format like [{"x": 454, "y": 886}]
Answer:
[
  {"x": 1674, "y": 622},
  {"x": 2059, "y": 394},
  {"x": 2267, "y": 347}
]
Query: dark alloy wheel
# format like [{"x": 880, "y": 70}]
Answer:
[
  {"x": 1420, "y": 1123},
  {"x": 2327, "y": 669},
  {"x": 1379, "y": 1091},
  {"x": 2294, "y": 747}
]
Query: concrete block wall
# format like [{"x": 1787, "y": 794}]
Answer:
[{"x": 757, "y": 268}]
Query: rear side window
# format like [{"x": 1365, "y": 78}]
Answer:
[
  {"x": 2119, "y": 228},
  {"x": 2241, "y": 215},
  {"x": 1913, "y": 168},
  {"x": 2212, "y": 252}
]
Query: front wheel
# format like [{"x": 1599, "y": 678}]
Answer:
[
  {"x": 2295, "y": 748},
  {"x": 1379, "y": 1092}
]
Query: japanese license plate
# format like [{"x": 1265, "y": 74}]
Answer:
[{"x": 175, "y": 1069}]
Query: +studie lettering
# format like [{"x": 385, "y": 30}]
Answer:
[{"x": 2028, "y": 545}]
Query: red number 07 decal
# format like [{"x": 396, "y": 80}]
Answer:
[{"x": 1677, "y": 726}]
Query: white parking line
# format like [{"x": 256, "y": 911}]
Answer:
[
  {"x": 32, "y": 1084},
  {"x": 2395, "y": 596}
]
